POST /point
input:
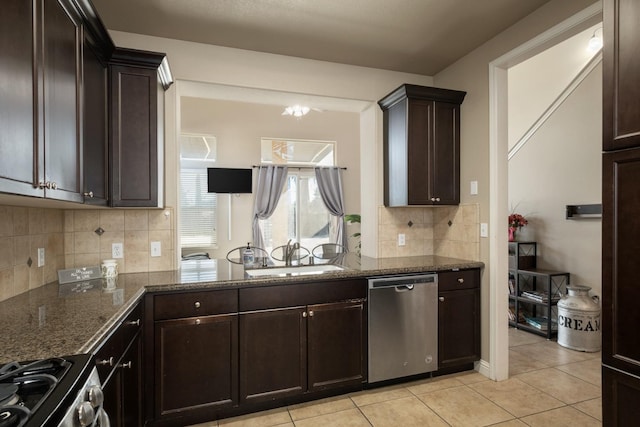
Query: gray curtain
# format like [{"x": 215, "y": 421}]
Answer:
[
  {"x": 271, "y": 180},
  {"x": 330, "y": 186}
]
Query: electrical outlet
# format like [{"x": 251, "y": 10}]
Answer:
[
  {"x": 401, "y": 239},
  {"x": 40, "y": 257},
  {"x": 484, "y": 229},
  {"x": 156, "y": 249},
  {"x": 116, "y": 250}
]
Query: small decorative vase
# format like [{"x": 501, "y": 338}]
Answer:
[{"x": 512, "y": 234}]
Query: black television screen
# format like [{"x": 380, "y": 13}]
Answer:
[{"x": 229, "y": 180}]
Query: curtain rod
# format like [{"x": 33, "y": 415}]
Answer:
[{"x": 300, "y": 167}]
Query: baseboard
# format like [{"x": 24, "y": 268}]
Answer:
[{"x": 483, "y": 367}]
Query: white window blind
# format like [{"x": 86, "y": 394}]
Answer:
[{"x": 197, "y": 210}]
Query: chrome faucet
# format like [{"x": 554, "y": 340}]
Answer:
[{"x": 289, "y": 251}]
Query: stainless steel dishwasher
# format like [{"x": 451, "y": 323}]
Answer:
[{"x": 403, "y": 326}]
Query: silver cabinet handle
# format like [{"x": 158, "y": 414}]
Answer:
[
  {"x": 304, "y": 314},
  {"x": 54, "y": 185},
  {"x": 126, "y": 365},
  {"x": 197, "y": 304},
  {"x": 441, "y": 299},
  {"x": 105, "y": 362},
  {"x": 132, "y": 322},
  {"x": 42, "y": 184},
  {"x": 89, "y": 194},
  {"x": 460, "y": 280},
  {"x": 197, "y": 321},
  {"x": 311, "y": 313}
]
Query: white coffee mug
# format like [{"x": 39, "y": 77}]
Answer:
[{"x": 109, "y": 268}]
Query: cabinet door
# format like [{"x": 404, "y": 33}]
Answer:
[
  {"x": 336, "y": 339},
  {"x": 620, "y": 397},
  {"x": 123, "y": 389},
  {"x": 133, "y": 145},
  {"x": 94, "y": 126},
  {"x": 131, "y": 372},
  {"x": 620, "y": 70},
  {"x": 196, "y": 363},
  {"x": 419, "y": 156},
  {"x": 18, "y": 142},
  {"x": 61, "y": 41},
  {"x": 458, "y": 327},
  {"x": 273, "y": 354},
  {"x": 620, "y": 248},
  {"x": 444, "y": 150}
]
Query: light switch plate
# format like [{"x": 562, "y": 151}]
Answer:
[
  {"x": 156, "y": 249},
  {"x": 401, "y": 239},
  {"x": 473, "y": 188},
  {"x": 484, "y": 229}
]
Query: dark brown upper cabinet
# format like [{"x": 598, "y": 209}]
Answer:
[
  {"x": 44, "y": 103},
  {"x": 421, "y": 146},
  {"x": 620, "y": 70},
  {"x": 137, "y": 82}
]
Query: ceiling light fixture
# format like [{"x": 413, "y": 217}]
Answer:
[
  {"x": 595, "y": 42},
  {"x": 296, "y": 110}
]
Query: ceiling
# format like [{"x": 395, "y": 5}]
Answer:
[{"x": 414, "y": 36}]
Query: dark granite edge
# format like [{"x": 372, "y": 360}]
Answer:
[{"x": 109, "y": 326}]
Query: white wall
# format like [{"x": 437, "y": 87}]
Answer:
[
  {"x": 561, "y": 165},
  {"x": 238, "y": 127}
]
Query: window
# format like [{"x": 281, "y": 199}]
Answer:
[
  {"x": 301, "y": 214},
  {"x": 197, "y": 206}
]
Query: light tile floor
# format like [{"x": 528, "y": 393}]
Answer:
[{"x": 549, "y": 386}]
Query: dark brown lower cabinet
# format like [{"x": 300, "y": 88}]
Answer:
[
  {"x": 336, "y": 344},
  {"x": 196, "y": 363},
  {"x": 458, "y": 318},
  {"x": 123, "y": 389},
  {"x": 273, "y": 354},
  {"x": 620, "y": 397},
  {"x": 285, "y": 352}
]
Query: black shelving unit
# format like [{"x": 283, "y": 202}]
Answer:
[{"x": 533, "y": 292}]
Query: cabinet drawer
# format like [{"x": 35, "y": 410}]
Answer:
[
  {"x": 193, "y": 304},
  {"x": 463, "y": 279},
  {"x": 111, "y": 351},
  {"x": 293, "y": 295}
]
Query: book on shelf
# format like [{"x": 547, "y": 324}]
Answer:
[
  {"x": 541, "y": 323},
  {"x": 540, "y": 296},
  {"x": 512, "y": 285}
]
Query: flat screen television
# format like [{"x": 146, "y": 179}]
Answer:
[{"x": 229, "y": 180}]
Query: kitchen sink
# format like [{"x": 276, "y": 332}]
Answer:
[{"x": 301, "y": 270}]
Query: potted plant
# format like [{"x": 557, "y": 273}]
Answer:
[
  {"x": 354, "y": 219},
  {"x": 516, "y": 221}
]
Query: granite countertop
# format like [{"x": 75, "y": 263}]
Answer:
[{"x": 57, "y": 320}]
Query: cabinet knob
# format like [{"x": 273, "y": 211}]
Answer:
[
  {"x": 197, "y": 304},
  {"x": 89, "y": 194},
  {"x": 304, "y": 314},
  {"x": 132, "y": 322},
  {"x": 42, "y": 184},
  {"x": 105, "y": 362},
  {"x": 311, "y": 313},
  {"x": 197, "y": 321},
  {"x": 54, "y": 185},
  {"x": 126, "y": 365},
  {"x": 441, "y": 299},
  {"x": 460, "y": 280}
]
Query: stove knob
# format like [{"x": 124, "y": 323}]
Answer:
[
  {"x": 86, "y": 414},
  {"x": 96, "y": 397}
]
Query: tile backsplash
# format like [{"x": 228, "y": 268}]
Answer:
[
  {"x": 22, "y": 231},
  {"x": 450, "y": 231},
  {"x": 70, "y": 240},
  {"x": 135, "y": 229}
]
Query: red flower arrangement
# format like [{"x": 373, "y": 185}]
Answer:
[{"x": 517, "y": 220}]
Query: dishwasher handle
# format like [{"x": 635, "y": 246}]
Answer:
[
  {"x": 402, "y": 282},
  {"x": 404, "y": 288}
]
